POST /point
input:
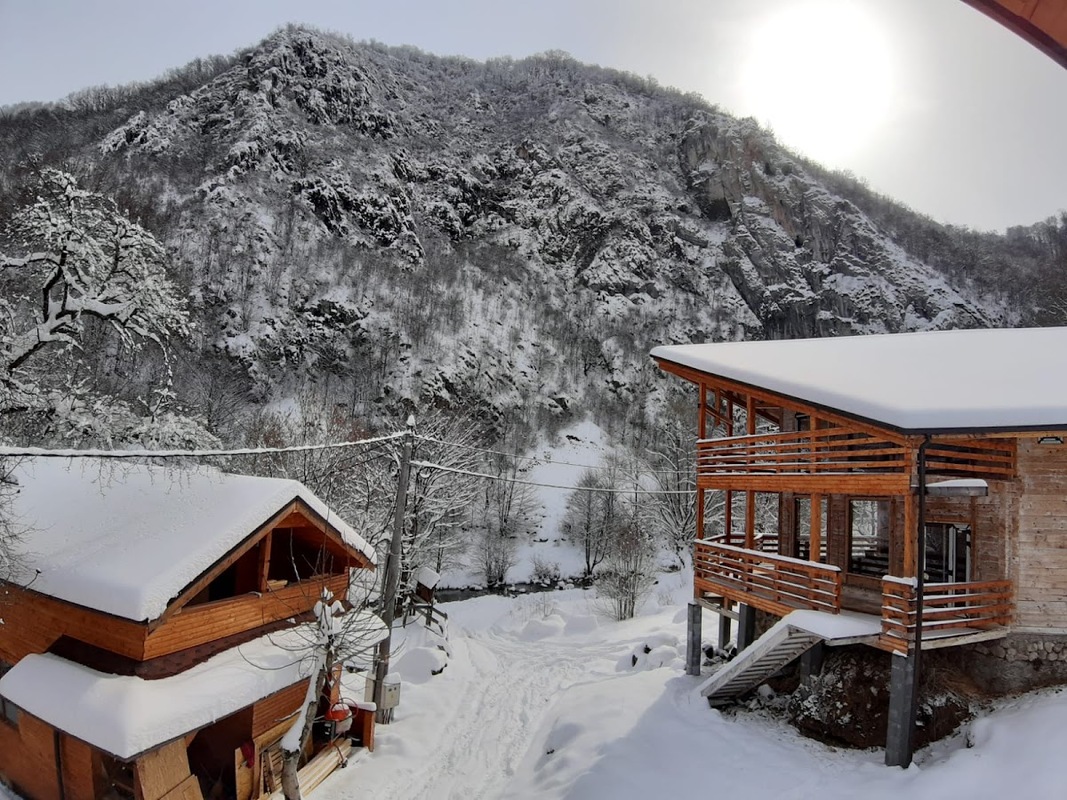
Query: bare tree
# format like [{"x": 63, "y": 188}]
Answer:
[
  {"x": 630, "y": 568},
  {"x": 667, "y": 469},
  {"x": 338, "y": 634},
  {"x": 590, "y": 518}
]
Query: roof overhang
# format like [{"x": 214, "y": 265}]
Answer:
[
  {"x": 1043, "y": 23},
  {"x": 127, "y": 716},
  {"x": 982, "y": 382}
]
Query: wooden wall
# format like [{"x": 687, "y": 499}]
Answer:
[
  {"x": 28, "y": 757},
  {"x": 200, "y": 624},
  {"x": 33, "y": 622},
  {"x": 1038, "y": 551},
  {"x": 992, "y": 523}
]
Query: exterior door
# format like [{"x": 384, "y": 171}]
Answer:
[{"x": 948, "y": 552}]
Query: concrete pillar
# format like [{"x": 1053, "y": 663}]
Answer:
[
  {"x": 724, "y": 631},
  {"x": 811, "y": 662},
  {"x": 746, "y": 626},
  {"x": 694, "y": 653},
  {"x": 898, "y": 736}
]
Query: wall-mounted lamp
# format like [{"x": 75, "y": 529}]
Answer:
[{"x": 1050, "y": 440}]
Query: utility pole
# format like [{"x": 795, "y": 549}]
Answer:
[{"x": 392, "y": 573}]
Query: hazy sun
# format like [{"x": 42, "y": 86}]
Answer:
[{"x": 821, "y": 73}]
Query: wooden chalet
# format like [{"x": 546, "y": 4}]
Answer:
[
  {"x": 153, "y": 649},
  {"x": 915, "y": 484}
]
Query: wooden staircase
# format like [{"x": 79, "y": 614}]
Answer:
[{"x": 788, "y": 639}]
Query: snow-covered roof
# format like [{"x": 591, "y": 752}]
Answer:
[
  {"x": 126, "y": 539},
  {"x": 1005, "y": 379},
  {"x": 126, "y": 715}
]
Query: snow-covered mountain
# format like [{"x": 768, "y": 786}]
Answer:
[{"x": 507, "y": 237}]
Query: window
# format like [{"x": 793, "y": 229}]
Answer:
[
  {"x": 9, "y": 712},
  {"x": 868, "y": 548}
]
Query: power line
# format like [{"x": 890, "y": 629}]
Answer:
[
  {"x": 40, "y": 452},
  {"x": 540, "y": 459},
  {"x": 598, "y": 489}
]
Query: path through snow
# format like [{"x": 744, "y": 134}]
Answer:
[{"x": 463, "y": 733}]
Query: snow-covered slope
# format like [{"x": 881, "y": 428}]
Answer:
[{"x": 508, "y": 235}]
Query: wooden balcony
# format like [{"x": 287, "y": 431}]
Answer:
[
  {"x": 766, "y": 581},
  {"x": 953, "y": 613},
  {"x": 840, "y": 459}
]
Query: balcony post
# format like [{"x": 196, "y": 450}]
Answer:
[
  {"x": 898, "y": 736},
  {"x": 693, "y": 650},
  {"x": 746, "y": 625}
]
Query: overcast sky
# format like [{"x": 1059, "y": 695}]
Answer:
[{"x": 929, "y": 101}]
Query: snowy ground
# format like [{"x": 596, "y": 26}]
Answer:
[{"x": 539, "y": 700}]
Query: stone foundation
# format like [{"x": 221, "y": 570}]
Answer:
[{"x": 1019, "y": 662}]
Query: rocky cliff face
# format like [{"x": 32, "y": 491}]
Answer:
[{"x": 509, "y": 236}]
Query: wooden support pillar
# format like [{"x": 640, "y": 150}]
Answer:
[
  {"x": 694, "y": 652},
  {"x": 728, "y": 517},
  {"x": 750, "y": 496},
  {"x": 911, "y": 535},
  {"x": 746, "y": 626},
  {"x": 898, "y": 736},
  {"x": 815, "y": 537},
  {"x": 702, "y": 433},
  {"x": 728, "y": 522}
]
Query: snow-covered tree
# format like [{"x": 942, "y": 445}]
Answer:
[
  {"x": 82, "y": 258},
  {"x": 71, "y": 265},
  {"x": 668, "y": 471}
]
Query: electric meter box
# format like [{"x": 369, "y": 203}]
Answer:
[{"x": 390, "y": 693}]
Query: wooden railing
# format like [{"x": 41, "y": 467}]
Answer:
[
  {"x": 840, "y": 450},
  {"x": 772, "y": 583},
  {"x": 949, "y": 609},
  {"x": 800, "y": 452}
]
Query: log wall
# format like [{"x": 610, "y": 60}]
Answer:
[{"x": 1038, "y": 551}]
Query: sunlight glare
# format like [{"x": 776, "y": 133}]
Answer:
[{"x": 821, "y": 74}]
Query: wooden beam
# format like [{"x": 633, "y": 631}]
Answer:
[
  {"x": 750, "y": 520},
  {"x": 835, "y": 416},
  {"x": 875, "y": 485},
  {"x": 728, "y": 514},
  {"x": 264, "y": 560},
  {"x": 911, "y": 535},
  {"x": 815, "y": 537}
]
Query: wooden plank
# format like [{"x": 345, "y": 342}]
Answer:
[
  {"x": 885, "y": 485},
  {"x": 278, "y": 709},
  {"x": 196, "y": 625},
  {"x": 35, "y": 621},
  {"x": 163, "y": 771}
]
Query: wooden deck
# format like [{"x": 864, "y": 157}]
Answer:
[{"x": 953, "y": 613}]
